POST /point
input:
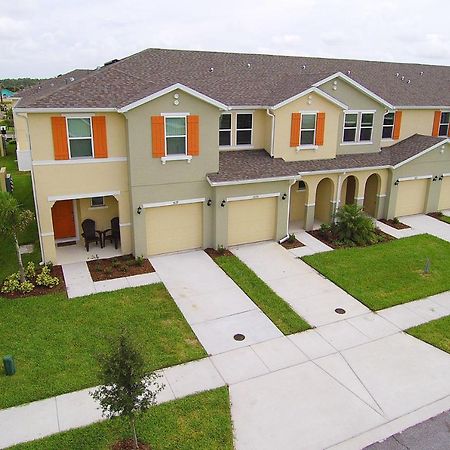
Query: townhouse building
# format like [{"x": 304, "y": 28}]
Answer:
[{"x": 205, "y": 149}]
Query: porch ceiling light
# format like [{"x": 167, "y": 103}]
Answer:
[{"x": 139, "y": 210}]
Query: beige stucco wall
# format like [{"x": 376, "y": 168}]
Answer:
[
  {"x": 283, "y": 129},
  {"x": 42, "y": 140},
  {"x": 356, "y": 100},
  {"x": 414, "y": 121},
  {"x": 21, "y": 132},
  {"x": 101, "y": 214},
  {"x": 152, "y": 181}
]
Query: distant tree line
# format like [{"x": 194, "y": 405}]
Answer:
[{"x": 16, "y": 84}]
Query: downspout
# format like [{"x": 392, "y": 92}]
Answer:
[
  {"x": 272, "y": 132},
  {"x": 33, "y": 184},
  {"x": 288, "y": 211},
  {"x": 338, "y": 195}
]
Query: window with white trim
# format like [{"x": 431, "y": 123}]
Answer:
[
  {"x": 225, "y": 130},
  {"x": 244, "y": 128},
  {"x": 388, "y": 125},
  {"x": 358, "y": 127},
  {"x": 176, "y": 136},
  {"x": 444, "y": 123},
  {"x": 97, "y": 201},
  {"x": 308, "y": 129},
  {"x": 79, "y": 133}
]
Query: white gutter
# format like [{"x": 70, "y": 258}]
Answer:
[
  {"x": 257, "y": 180},
  {"x": 272, "y": 135},
  {"x": 338, "y": 194},
  {"x": 288, "y": 211}
]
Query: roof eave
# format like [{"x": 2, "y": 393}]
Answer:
[{"x": 423, "y": 152}]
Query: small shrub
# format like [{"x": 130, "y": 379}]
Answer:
[
  {"x": 123, "y": 268},
  {"x": 30, "y": 270},
  {"x": 98, "y": 268},
  {"x": 11, "y": 284},
  {"x": 49, "y": 265},
  {"x": 352, "y": 224},
  {"x": 115, "y": 264},
  {"x": 395, "y": 220},
  {"x": 220, "y": 249},
  {"x": 45, "y": 279},
  {"x": 131, "y": 263},
  {"x": 140, "y": 261},
  {"x": 291, "y": 238},
  {"x": 108, "y": 271},
  {"x": 26, "y": 286}
]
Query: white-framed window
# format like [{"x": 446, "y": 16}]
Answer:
[
  {"x": 225, "y": 130},
  {"x": 97, "y": 201},
  {"x": 308, "y": 129},
  {"x": 358, "y": 127},
  {"x": 79, "y": 136},
  {"x": 176, "y": 135},
  {"x": 388, "y": 125},
  {"x": 244, "y": 128},
  {"x": 444, "y": 123}
]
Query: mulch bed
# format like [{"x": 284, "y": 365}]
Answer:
[
  {"x": 293, "y": 244},
  {"x": 395, "y": 224},
  {"x": 437, "y": 215},
  {"x": 128, "y": 444},
  {"x": 213, "y": 253},
  {"x": 117, "y": 267},
  {"x": 332, "y": 243},
  {"x": 41, "y": 290}
]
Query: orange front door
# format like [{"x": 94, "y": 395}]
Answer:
[{"x": 63, "y": 219}]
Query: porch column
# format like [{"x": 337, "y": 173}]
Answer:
[
  {"x": 125, "y": 222},
  {"x": 310, "y": 209}
]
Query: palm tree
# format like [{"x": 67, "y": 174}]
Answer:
[{"x": 13, "y": 221}]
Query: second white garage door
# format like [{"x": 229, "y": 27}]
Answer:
[
  {"x": 411, "y": 198},
  {"x": 444, "y": 199},
  {"x": 252, "y": 220},
  {"x": 174, "y": 228}
]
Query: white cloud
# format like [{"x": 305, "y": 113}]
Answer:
[{"x": 47, "y": 37}]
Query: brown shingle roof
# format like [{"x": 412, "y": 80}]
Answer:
[
  {"x": 245, "y": 79},
  {"x": 245, "y": 165}
]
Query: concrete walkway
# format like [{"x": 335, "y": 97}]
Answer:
[
  {"x": 398, "y": 234},
  {"x": 213, "y": 305},
  {"x": 79, "y": 281},
  {"x": 311, "y": 244},
  {"x": 313, "y": 296},
  {"x": 427, "y": 224}
]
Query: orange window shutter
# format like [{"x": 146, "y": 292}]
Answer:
[
  {"x": 437, "y": 121},
  {"x": 193, "y": 137},
  {"x": 320, "y": 128},
  {"x": 158, "y": 137},
  {"x": 60, "y": 145},
  {"x": 397, "y": 125},
  {"x": 99, "y": 135},
  {"x": 295, "y": 129}
]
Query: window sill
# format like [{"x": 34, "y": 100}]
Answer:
[
  {"x": 187, "y": 158},
  {"x": 236, "y": 147},
  {"x": 78, "y": 158},
  {"x": 307, "y": 147},
  {"x": 98, "y": 207},
  {"x": 357, "y": 143}
]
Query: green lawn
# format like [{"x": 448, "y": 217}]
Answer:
[
  {"x": 55, "y": 341},
  {"x": 388, "y": 274},
  {"x": 278, "y": 311},
  {"x": 23, "y": 192},
  {"x": 198, "y": 422},
  {"x": 445, "y": 218},
  {"x": 436, "y": 332}
]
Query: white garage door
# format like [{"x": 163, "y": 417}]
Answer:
[
  {"x": 252, "y": 220},
  {"x": 174, "y": 228},
  {"x": 444, "y": 199},
  {"x": 411, "y": 198}
]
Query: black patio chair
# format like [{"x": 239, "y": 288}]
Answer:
[
  {"x": 113, "y": 233},
  {"x": 90, "y": 234}
]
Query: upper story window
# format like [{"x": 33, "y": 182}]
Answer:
[
  {"x": 225, "y": 130},
  {"x": 79, "y": 132},
  {"x": 444, "y": 123},
  {"x": 358, "y": 127},
  {"x": 308, "y": 129},
  {"x": 388, "y": 125},
  {"x": 97, "y": 201},
  {"x": 176, "y": 137},
  {"x": 244, "y": 127}
]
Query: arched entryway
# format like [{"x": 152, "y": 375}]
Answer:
[
  {"x": 297, "y": 207},
  {"x": 348, "y": 190},
  {"x": 371, "y": 191},
  {"x": 324, "y": 197}
]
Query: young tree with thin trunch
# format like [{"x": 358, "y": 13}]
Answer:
[
  {"x": 128, "y": 388},
  {"x": 13, "y": 221}
]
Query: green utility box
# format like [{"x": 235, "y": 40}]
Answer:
[{"x": 9, "y": 365}]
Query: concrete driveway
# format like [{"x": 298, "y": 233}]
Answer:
[
  {"x": 345, "y": 400},
  {"x": 310, "y": 294},
  {"x": 427, "y": 224},
  {"x": 213, "y": 305}
]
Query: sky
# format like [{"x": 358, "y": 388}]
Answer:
[{"x": 43, "y": 38}]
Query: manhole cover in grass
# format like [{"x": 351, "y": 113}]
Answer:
[
  {"x": 239, "y": 337},
  {"x": 339, "y": 311}
]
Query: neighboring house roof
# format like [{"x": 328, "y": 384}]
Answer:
[
  {"x": 244, "y": 79},
  {"x": 40, "y": 90},
  {"x": 247, "y": 165},
  {"x": 7, "y": 93}
]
